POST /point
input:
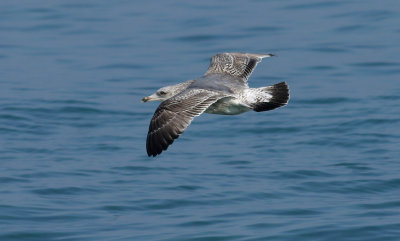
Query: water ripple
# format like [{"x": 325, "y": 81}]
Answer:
[
  {"x": 122, "y": 66},
  {"x": 376, "y": 64},
  {"x": 354, "y": 187},
  {"x": 316, "y": 5},
  {"x": 381, "y": 205},
  {"x": 32, "y": 235},
  {"x": 63, "y": 191},
  {"x": 301, "y": 174}
]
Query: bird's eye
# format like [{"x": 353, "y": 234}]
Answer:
[{"x": 162, "y": 93}]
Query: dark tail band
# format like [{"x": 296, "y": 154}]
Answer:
[{"x": 280, "y": 97}]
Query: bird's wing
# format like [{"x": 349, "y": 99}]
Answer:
[
  {"x": 239, "y": 65},
  {"x": 174, "y": 115}
]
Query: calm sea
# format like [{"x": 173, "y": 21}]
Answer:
[{"x": 73, "y": 164}]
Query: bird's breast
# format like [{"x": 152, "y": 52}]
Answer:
[{"x": 227, "y": 106}]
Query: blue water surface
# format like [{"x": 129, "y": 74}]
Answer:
[{"x": 72, "y": 127}]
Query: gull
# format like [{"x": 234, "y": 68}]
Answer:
[{"x": 223, "y": 90}]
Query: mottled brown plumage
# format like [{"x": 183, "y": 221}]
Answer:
[
  {"x": 174, "y": 115},
  {"x": 222, "y": 90}
]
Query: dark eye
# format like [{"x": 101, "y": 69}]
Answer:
[{"x": 162, "y": 93}]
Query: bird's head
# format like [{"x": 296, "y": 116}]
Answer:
[
  {"x": 166, "y": 92},
  {"x": 160, "y": 95}
]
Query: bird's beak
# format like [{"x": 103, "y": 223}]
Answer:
[{"x": 150, "y": 98}]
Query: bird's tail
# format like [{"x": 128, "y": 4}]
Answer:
[{"x": 277, "y": 96}]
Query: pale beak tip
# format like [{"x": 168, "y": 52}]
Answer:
[{"x": 145, "y": 99}]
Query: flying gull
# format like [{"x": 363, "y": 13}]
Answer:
[{"x": 223, "y": 90}]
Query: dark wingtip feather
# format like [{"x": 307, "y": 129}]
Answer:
[
  {"x": 160, "y": 140},
  {"x": 157, "y": 143}
]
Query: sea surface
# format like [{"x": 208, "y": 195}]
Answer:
[{"x": 73, "y": 164}]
